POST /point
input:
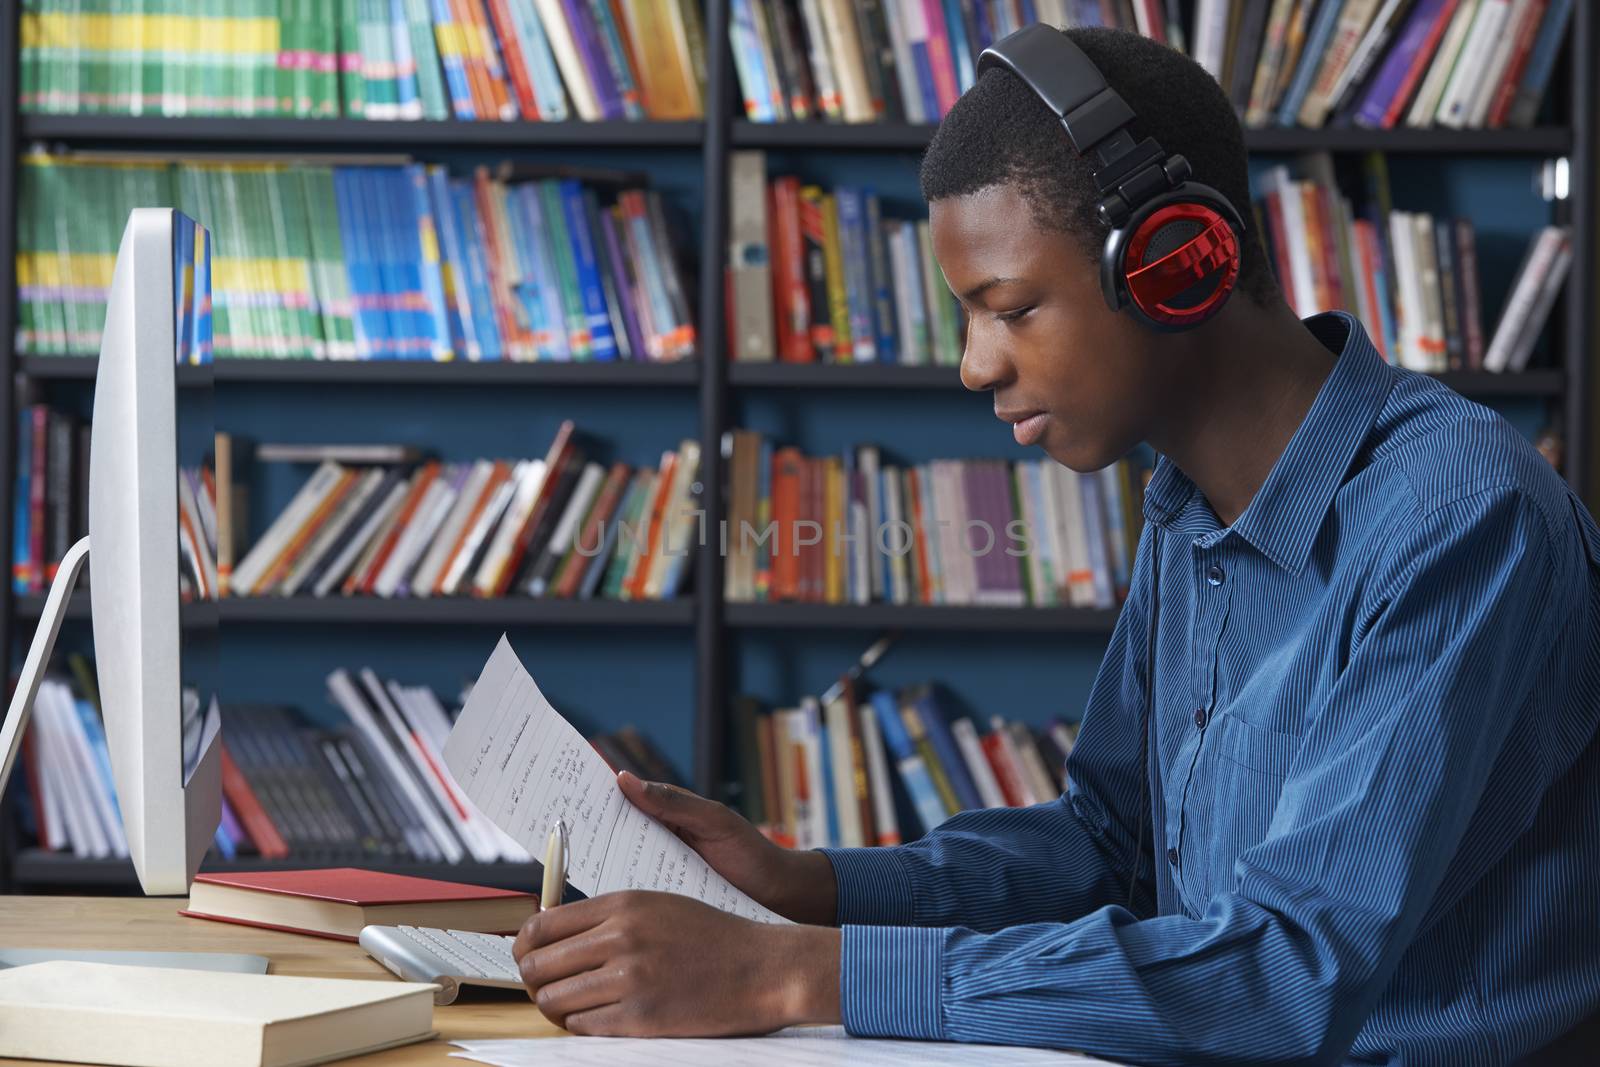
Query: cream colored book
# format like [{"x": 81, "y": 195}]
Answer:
[{"x": 162, "y": 1017}]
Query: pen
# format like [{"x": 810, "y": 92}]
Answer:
[{"x": 555, "y": 866}]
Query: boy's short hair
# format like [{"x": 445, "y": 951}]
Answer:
[{"x": 1000, "y": 132}]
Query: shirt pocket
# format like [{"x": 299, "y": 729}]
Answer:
[{"x": 1233, "y": 792}]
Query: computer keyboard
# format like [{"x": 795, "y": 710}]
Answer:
[{"x": 450, "y": 958}]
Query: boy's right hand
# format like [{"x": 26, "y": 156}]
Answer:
[{"x": 797, "y": 884}]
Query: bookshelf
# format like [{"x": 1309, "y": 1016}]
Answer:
[{"x": 711, "y": 389}]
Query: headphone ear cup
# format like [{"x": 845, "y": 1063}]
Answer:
[
  {"x": 1179, "y": 262},
  {"x": 1165, "y": 239}
]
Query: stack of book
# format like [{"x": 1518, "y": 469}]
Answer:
[
  {"x": 562, "y": 526},
  {"x": 51, "y": 498},
  {"x": 821, "y": 276},
  {"x": 367, "y": 262},
  {"x": 1410, "y": 277},
  {"x": 1378, "y": 63},
  {"x": 854, "y": 529},
  {"x": 856, "y": 770},
  {"x": 537, "y": 60},
  {"x": 373, "y": 789}
]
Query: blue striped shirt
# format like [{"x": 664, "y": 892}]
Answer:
[{"x": 1373, "y": 767}]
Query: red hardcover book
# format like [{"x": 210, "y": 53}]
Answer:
[
  {"x": 790, "y": 300},
  {"x": 919, "y": 535},
  {"x": 1506, "y": 92},
  {"x": 1006, "y": 774},
  {"x": 337, "y": 902},
  {"x": 654, "y": 517},
  {"x": 1419, "y": 66},
  {"x": 257, "y": 823},
  {"x": 786, "y": 464},
  {"x": 511, "y": 54}
]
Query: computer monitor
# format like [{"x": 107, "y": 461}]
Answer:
[{"x": 154, "y": 579}]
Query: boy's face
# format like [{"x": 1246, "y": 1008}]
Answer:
[{"x": 1071, "y": 375}]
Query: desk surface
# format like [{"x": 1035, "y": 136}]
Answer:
[{"x": 156, "y": 926}]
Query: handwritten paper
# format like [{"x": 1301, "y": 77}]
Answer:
[
  {"x": 525, "y": 766},
  {"x": 806, "y": 1046}
]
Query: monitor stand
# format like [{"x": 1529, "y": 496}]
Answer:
[{"x": 39, "y": 651}]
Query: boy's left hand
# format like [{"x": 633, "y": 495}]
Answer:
[{"x": 646, "y": 964}]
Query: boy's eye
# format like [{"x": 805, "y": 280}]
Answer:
[{"x": 1013, "y": 315}]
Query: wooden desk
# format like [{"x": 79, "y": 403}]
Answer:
[{"x": 156, "y": 926}]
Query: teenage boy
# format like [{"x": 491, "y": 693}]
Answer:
[{"x": 1335, "y": 796}]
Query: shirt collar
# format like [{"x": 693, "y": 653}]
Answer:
[{"x": 1283, "y": 519}]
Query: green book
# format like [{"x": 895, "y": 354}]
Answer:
[
  {"x": 295, "y": 269},
  {"x": 555, "y": 225},
  {"x": 325, "y": 59},
  {"x": 328, "y": 267},
  {"x": 277, "y": 320},
  {"x": 352, "y": 80},
  {"x": 30, "y": 286},
  {"x": 425, "y": 49},
  {"x": 377, "y": 61}
]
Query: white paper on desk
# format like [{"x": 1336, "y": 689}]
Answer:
[
  {"x": 809, "y": 1046},
  {"x": 525, "y": 766}
]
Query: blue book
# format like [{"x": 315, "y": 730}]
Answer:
[
  {"x": 983, "y": 26},
  {"x": 405, "y": 62},
  {"x": 1116, "y": 527},
  {"x": 1089, "y": 13},
  {"x": 371, "y": 217},
  {"x": 610, "y": 47},
  {"x": 857, "y": 280},
  {"x": 923, "y": 66},
  {"x": 458, "y": 317},
  {"x": 368, "y": 334},
  {"x": 883, "y": 311},
  {"x": 913, "y": 772},
  {"x": 403, "y": 247},
  {"x": 1094, "y": 522},
  {"x": 1316, "y": 47},
  {"x": 1030, "y": 14},
  {"x": 436, "y": 322},
  {"x": 602, "y": 342},
  {"x": 455, "y": 71},
  {"x": 549, "y": 278},
  {"x": 1541, "y": 64},
  {"x": 477, "y": 272},
  {"x": 960, "y": 49},
  {"x": 945, "y": 747},
  {"x": 747, "y": 60}
]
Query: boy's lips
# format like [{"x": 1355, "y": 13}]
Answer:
[{"x": 1026, "y": 426}]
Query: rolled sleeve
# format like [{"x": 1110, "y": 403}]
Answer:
[
  {"x": 890, "y": 979},
  {"x": 873, "y": 886}
]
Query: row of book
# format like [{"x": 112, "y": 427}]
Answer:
[
  {"x": 855, "y": 529},
  {"x": 821, "y": 276},
  {"x": 367, "y": 262},
  {"x": 1312, "y": 63},
  {"x": 856, "y": 768},
  {"x": 1412, "y": 278},
  {"x": 372, "y": 789},
  {"x": 562, "y": 526},
  {"x": 50, "y": 500},
  {"x": 537, "y": 60}
]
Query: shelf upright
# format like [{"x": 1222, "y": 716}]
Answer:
[{"x": 711, "y": 668}]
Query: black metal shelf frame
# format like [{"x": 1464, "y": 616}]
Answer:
[{"x": 713, "y": 621}]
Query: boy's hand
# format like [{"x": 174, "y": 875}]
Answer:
[
  {"x": 798, "y": 885},
  {"x": 645, "y": 964}
]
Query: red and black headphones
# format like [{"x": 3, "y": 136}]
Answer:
[{"x": 1172, "y": 255}]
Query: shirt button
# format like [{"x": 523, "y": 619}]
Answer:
[
  {"x": 1172, "y": 856},
  {"x": 1200, "y": 718},
  {"x": 1215, "y": 575}
]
